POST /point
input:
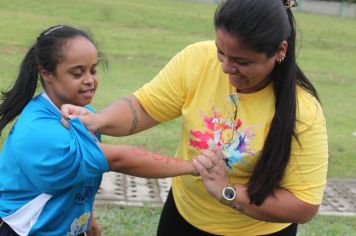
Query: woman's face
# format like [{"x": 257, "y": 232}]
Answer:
[
  {"x": 248, "y": 70},
  {"x": 75, "y": 80}
]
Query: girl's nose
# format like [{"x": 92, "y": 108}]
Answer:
[{"x": 89, "y": 78}]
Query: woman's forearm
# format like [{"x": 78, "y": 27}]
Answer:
[
  {"x": 122, "y": 117},
  {"x": 282, "y": 206},
  {"x": 139, "y": 162}
]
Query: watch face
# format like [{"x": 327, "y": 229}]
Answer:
[{"x": 229, "y": 193}]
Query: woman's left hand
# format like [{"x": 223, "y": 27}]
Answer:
[{"x": 211, "y": 166}]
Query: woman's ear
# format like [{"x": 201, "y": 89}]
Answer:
[{"x": 281, "y": 51}]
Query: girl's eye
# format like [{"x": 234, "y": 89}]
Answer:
[
  {"x": 93, "y": 70},
  {"x": 77, "y": 75}
]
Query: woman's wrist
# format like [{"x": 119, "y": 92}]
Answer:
[
  {"x": 233, "y": 196},
  {"x": 193, "y": 172},
  {"x": 98, "y": 123}
]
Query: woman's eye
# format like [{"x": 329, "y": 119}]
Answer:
[
  {"x": 220, "y": 56},
  {"x": 243, "y": 63}
]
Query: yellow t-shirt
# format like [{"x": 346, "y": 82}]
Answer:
[{"x": 192, "y": 85}]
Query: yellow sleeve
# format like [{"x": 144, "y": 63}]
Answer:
[
  {"x": 306, "y": 172},
  {"x": 175, "y": 85},
  {"x": 164, "y": 96}
]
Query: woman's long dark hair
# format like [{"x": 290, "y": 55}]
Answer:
[
  {"x": 46, "y": 53},
  {"x": 262, "y": 26}
]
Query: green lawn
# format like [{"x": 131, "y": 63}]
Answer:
[
  {"x": 140, "y": 36},
  {"x": 132, "y": 221}
]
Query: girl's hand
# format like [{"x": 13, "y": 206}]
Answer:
[{"x": 94, "y": 228}]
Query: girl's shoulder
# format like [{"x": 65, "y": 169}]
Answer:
[{"x": 41, "y": 121}]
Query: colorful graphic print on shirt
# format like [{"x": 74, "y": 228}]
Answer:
[
  {"x": 80, "y": 224},
  {"x": 226, "y": 134}
]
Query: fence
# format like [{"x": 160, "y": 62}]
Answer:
[{"x": 341, "y": 8}]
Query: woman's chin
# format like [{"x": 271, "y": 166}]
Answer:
[{"x": 237, "y": 83}]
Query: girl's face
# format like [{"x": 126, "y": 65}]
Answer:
[
  {"x": 248, "y": 70},
  {"x": 75, "y": 80}
]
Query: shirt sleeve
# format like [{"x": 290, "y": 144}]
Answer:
[
  {"x": 306, "y": 172},
  {"x": 56, "y": 158},
  {"x": 164, "y": 96}
]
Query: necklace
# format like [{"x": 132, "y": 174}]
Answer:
[{"x": 235, "y": 99}]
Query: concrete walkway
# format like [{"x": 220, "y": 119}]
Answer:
[
  {"x": 119, "y": 189},
  {"x": 339, "y": 197}
]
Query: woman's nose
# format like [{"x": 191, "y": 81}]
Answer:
[{"x": 229, "y": 67}]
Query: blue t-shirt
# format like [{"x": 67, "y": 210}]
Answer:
[{"x": 49, "y": 174}]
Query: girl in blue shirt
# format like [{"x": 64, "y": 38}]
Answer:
[{"x": 50, "y": 174}]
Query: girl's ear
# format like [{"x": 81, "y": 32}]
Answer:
[{"x": 45, "y": 75}]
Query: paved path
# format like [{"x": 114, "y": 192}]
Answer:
[
  {"x": 339, "y": 197},
  {"x": 119, "y": 189}
]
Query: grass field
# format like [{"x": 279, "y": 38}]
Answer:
[
  {"x": 139, "y": 37},
  {"x": 143, "y": 221}
]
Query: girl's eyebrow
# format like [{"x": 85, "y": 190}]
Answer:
[{"x": 81, "y": 66}]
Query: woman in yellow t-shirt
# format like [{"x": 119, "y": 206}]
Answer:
[{"x": 251, "y": 117}]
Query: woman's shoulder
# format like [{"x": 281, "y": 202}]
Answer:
[
  {"x": 203, "y": 44},
  {"x": 307, "y": 101},
  {"x": 309, "y": 109},
  {"x": 195, "y": 57},
  {"x": 201, "y": 49}
]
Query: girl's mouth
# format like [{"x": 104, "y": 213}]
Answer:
[{"x": 88, "y": 93}]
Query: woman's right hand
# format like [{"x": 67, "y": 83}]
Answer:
[
  {"x": 70, "y": 111},
  {"x": 122, "y": 117}
]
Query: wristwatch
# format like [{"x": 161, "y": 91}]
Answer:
[{"x": 228, "y": 195}]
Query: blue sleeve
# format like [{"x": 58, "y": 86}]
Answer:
[{"x": 54, "y": 157}]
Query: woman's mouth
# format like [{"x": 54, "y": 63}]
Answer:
[{"x": 236, "y": 79}]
